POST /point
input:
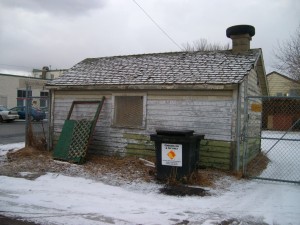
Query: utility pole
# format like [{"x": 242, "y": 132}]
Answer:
[{"x": 27, "y": 113}]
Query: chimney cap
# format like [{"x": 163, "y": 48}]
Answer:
[
  {"x": 45, "y": 68},
  {"x": 240, "y": 29}
]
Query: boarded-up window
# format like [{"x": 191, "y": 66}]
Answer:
[{"x": 128, "y": 111}]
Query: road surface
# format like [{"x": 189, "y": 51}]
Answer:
[{"x": 14, "y": 132}]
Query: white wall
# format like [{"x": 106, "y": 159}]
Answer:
[
  {"x": 205, "y": 112},
  {"x": 10, "y": 84}
]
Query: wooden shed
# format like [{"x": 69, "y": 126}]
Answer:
[{"x": 200, "y": 91}]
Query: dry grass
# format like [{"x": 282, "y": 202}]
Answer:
[
  {"x": 126, "y": 169},
  {"x": 27, "y": 152},
  {"x": 37, "y": 142},
  {"x": 257, "y": 165},
  {"x": 129, "y": 167}
]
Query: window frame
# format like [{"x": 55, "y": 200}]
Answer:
[
  {"x": 44, "y": 98},
  {"x": 21, "y": 100},
  {"x": 23, "y": 91},
  {"x": 135, "y": 94}
]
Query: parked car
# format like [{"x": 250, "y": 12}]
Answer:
[
  {"x": 45, "y": 109},
  {"x": 36, "y": 114},
  {"x": 7, "y": 115}
]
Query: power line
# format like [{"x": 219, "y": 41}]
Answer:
[{"x": 159, "y": 27}]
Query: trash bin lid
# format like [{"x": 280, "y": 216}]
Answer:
[{"x": 183, "y": 133}]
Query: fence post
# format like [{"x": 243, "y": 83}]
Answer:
[
  {"x": 27, "y": 114},
  {"x": 246, "y": 118}
]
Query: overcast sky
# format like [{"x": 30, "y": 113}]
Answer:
[{"x": 60, "y": 33}]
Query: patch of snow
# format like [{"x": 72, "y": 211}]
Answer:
[
  {"x": 10, "y": 147},
  {"x": 24, "y": 174},
  {"x": 284, "y": 155},
  {"x": 58, "y": 199},
  {"x": 4, "y": 149},
  {"x": 61, "y": 200}
]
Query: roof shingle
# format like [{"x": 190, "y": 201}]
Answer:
[{"x": 217, "y": 67}]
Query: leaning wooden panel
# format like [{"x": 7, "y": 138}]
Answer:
[
  {"x": 62, "y": 147},
  {"x": 76, "y": 135}
]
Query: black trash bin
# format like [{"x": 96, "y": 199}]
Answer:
[{"x": 177, "y": 153}]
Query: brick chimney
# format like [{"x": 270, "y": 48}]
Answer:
[
  {"x": 44, "y": 72},
  {"x": 241, "y": 35}
]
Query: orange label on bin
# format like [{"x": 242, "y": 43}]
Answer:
[{"x": 172, "y": 154}]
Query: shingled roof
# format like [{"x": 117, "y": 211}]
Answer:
[{"x": 216, "y": 67}]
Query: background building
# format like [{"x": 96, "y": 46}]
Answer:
[
  {"x": 47, "y": 73},
  {"x": 13, "y": 87},
  {"x": 281, "y": 85}
]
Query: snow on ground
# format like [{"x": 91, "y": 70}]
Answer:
[
  {"x": 4, "y": 149},
  {"x": 284, "y": 154},
  {"x": 10, "y": 147},
  {"x": 57, "y": 199}
]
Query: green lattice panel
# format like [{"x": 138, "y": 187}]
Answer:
[
  {"x": 80, "y": 139},
  {"x": 73, "y": 141},
  {"x": 62, "y": 147}
]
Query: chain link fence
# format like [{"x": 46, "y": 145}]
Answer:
[
  {"x": 273, "y": 126},
  {"x": 36, "y": 116}
]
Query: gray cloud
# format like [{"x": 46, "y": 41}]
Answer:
[
  {"x": 60, "y": 33},
  {"x": 55, "y": 7}
]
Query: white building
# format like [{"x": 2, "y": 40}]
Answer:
[
  {"x": 13, "y": 87},
  {"x": 13, "y": 90}
]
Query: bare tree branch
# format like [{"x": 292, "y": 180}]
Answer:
[
  {"x": 203, "y": 45},
  {"x": 288, "y": 56}
]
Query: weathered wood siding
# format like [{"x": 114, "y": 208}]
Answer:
[
  {"x": 106, "y": 139},
  {"x": 216, "y": 154},
  {"x": 255, "y": 118},
  {"x": 205, "y": 112},
  {"x": 254, "y": 88},
  {"x": 209, "y": 113},
  {"x": 249, "y": 87}
]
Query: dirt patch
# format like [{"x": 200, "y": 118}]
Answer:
[
  {"x": 4, "y": 220},
  {"x": 108, "y": 169},
  {"x": 183, "y": 190},
  {"x": 257, "y": 165}
]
